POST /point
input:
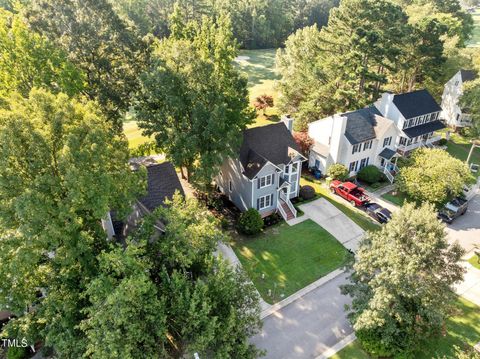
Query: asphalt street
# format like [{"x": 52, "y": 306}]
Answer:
[{"x": 308, "y": 326}]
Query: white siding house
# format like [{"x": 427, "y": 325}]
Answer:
[
  {"x": 452, "y": 112},
  {"x": 393, "y": 127}
]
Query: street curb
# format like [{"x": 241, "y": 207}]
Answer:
[
  {"x": 337, "y": 347},
  {"x": 305, "y": 290}
]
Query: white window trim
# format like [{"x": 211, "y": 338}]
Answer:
[
  {"x": 264, "y": 201},
  {"x": 268, "y": 180}
]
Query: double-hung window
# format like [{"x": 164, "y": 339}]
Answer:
[
  {"x": 387, "y": 141},
  {"x": 353, "y": 166},
  {"x": 356, "y": 148},
  {"x": 367, "y": 145},
  {"x": 265, "y": 181},
  {"x": 265, "y": 201}
]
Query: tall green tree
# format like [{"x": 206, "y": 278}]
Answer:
[
  {"x": 423, "y": 177},
  {"x": 193, "y": 100},
  {"x": 211, "y": 308},
  {"x": 62, "y": 167},
  {"x": 402, "y": 281},
  {"x": 99, "y": 43},
  {"x": 351, "y": 58},
  {"x": 29, "y": 60}
]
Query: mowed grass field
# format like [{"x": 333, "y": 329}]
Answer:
[
  {"x": 259, "y": 66},
  {"x": 475, "y": 40},
  {"x": 134, "y": 134}
]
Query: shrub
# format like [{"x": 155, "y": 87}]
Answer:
[
  {"x": 442, "y": 142},
  {"x": 372, "y": 343},
  {"x": 369, "y": 174},
  {"x": 338, "y": 171},
  {"x": 307, "y": 192},
  {"x": 16, "y": 353},
  {"x": 250, "y": 222},
  {"x": 271, "y": 220}
]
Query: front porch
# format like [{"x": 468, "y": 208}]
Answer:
[{"x": 388, "y": 163}]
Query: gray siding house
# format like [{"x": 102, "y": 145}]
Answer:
[
  {"x": 266, "y": 173},
  {"x": 162, "y": 183}
]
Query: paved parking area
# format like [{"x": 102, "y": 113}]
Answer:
[
  {"x": 334, "y": 221},
  {"x": 466, "y": 229}
]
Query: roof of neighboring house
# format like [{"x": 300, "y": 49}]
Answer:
[
  {"x": 387, "y": 153},
  {"x": 360, "y": 125},
  {"x": 468, "y": 75},
  {"x": 321, "y": 149},
  {"x": 264, "y": 144},
  {"x": 424, "y": 129},
  {"x": 162, "y": 182},
  {"x": 416, "y": 103}
]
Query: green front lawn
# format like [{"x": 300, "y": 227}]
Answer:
[
  {"x": 397, "y": 199},
  {"x": 290, "y": 257},
  {"x": 356, "y": 215},
  {"x": 475, "y": 261},
  {"x": 463, "y": 329}
]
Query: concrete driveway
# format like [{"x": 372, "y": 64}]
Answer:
[
  {"x": 309, "y": 326},
  {"x": 334, "y": 221},
  {"x": 466, "y": 229}
]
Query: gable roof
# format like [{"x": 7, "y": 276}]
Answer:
[
  {"x": 416, "y": 103},
  {"x": 264, "y": 144},
  {"x": 162, "y": 182},
  {"x": 361, "y": 125},
  {"x": 468, "y": 75}
]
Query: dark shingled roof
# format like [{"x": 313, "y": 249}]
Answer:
[
  {"x": 265, "y": 143},
  {"x": 162, "y": 182},
  {"x": 360, "y": 125},
  {"x": 424, "y": 129},
  {"x": 468, "y": 75},
  {"x": 416, "y": 103},
  {"x": 387, "y": 153}
]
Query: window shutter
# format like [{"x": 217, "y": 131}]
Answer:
[
  {"x": 258, "y": 183},
  {"x": 258, "y": 203},
  {"x": 271, "y": 199}
]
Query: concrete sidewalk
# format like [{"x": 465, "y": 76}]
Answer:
[
  {"x": 470, "y": 287},
  {"x": 335, "y": 222}
]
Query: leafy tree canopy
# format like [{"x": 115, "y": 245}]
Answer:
[
  {"x": 402, "y": 282},
  {"x": 61, "y": 169},
  {"x": 99, "y": 43},
  {"x": 192, "y": 99},
  {"x": 432, "y": 175},
  {"x": 29, "y": 60}
]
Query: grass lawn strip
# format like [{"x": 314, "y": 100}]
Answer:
[
  {"x": 462, "y": 329},
  {"x": 475, "y": 261},
  {"x": 290, "y": 257},
  {"x": 134, "y": 134}
]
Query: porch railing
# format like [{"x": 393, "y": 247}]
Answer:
[{"x": 284, "y": 198}]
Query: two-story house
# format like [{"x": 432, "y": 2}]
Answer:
[
  {"x": 355, "y": 139},
  {"x": 416, "y": 115},
  {"x": 266, "y": 173},
  {"x": 452, "y": 112},
  {"x": 394, "y": 126}
]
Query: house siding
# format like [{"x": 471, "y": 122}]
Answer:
[
  {"x": 268, "y": 169},
  {"x": 241, "y": 193}
]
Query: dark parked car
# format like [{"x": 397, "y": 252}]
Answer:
[
  {"x": 377, "y": 212},
  {"x": 453, "y": 209}
]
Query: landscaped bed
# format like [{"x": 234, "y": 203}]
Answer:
[
  {"x": 463, "y": 329},
  {"x": 290, "y": 258}
]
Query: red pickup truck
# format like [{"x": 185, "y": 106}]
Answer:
[{"x": 350, "y": 191}]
